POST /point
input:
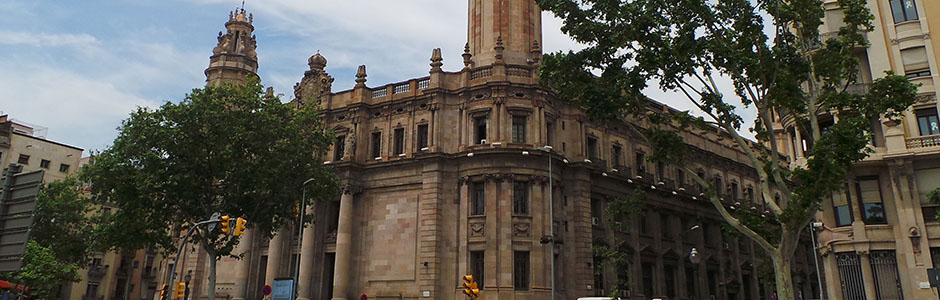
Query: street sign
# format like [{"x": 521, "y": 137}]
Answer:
[
  {"x": 283, "y": 289},
  {"x": 17, "y": 202},
  {"x": 363, "y": 297},
  {"x": 266, "y": 290}
]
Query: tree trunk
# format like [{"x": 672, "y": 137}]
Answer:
[
  {"x": 212, "y": 262},
  {"x": 783, "y": 276}
]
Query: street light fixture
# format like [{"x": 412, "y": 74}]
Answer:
[{"x": 551, "y": 212}]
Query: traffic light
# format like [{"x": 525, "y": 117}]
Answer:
[
  {"x": 164, "y": 291},
  {"x": 180, "y": 290},
  {"x": 470, "y": 287},
  {"x": 240, "y": 226},
  {"x": 224, "y": 224}
]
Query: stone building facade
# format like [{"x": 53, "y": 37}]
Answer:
[
  {"x": 880, "y": 235},
  {"x": 448, "y": 175}
]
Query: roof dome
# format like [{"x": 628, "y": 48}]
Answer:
[{"x": 317, "y": 61}]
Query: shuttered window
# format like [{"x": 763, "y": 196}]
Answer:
[{"x": 915, "y": 59}]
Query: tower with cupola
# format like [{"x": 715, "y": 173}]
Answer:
[{"x": 235, "y": 57}]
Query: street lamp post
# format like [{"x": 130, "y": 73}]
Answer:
[
  {"x": 551, "y": 213},
  {"x": 300, "y": 234},
  {"x": 172, "y": 266},
  {"x": 812, "y": 234}
]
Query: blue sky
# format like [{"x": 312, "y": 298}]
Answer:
[{"x": 79, "y": 67}]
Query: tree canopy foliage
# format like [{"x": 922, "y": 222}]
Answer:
[
  {"x": 778, "y": 66},
  {"x": 229, "y": 149}
]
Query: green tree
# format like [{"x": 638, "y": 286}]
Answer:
[
  {"x": 779, "y": 67},
  {"x": 228, "y": 149},
  {"x": 61, "y": 239}
]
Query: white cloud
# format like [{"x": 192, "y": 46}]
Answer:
[
  {"x": 47, "y": 40},
  {"x": 78, "y": 110}
]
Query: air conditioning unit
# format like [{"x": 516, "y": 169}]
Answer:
[{"x": 594, "y": 221}]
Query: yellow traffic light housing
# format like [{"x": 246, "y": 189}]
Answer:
[
  {"x": 240, "y": 226},
  {"x": 470, "y": 287},
  {"x": 180, "y": 290},
  {"x": 164, "y": 291},
  {"x": 224, "y": 225}
]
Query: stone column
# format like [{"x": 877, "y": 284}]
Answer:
[
  {"x": 304, "y": 282},
  {"x": 243, "y": 266},
  {"x": 274, "y": 255},
  {"x": 343, "y": 245}
]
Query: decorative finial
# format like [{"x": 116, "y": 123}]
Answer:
[
  {"x": 499, "y": 48},
  {"x": 361, "y": 76},
  {"x": 436, "y": 59},
  {"x": 466, "y": 55}
]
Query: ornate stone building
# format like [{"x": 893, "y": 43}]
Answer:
[
  {"x": 880, "y": 235},
  {"x": 449, "y": 174}
]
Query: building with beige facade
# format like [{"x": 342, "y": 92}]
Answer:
[
  {"x": 449, "y": 174},
  {"x": 880, "y": 234}
]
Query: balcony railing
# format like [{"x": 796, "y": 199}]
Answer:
[
  {"x": 97, "y": 271},
  {"x": 923, "y": 141},
  {"x": 149, "y": 272}
]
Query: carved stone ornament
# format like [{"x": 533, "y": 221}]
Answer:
[
  {"x": 477, "y": 229},
  {"x": 350, "y": 189},
  {"x": 462, "y": 180},
  {"x": 520, "y": 229}
]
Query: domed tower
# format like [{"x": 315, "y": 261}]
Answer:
[
  {"x": 235, "y": 56},
  {"x": 316, "y": 85},
  {"x": 504, "y": 31}
]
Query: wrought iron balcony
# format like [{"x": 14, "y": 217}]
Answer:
[{"x": 97, "y": 271}]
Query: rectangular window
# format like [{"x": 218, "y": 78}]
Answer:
[
  {"x": 479, "y": 124},
  {"x": 477, "y": 198},
  {"x": 670, "y": 274},
  {"x": 660, "y": 170},
  {"x": 718, "y": 186},
  {"x": 399, "y": 136},
  {"x": 549, "y": 133},
  {"x": 422, "y": 136},
  {"x": 518, "y": 129},
  {"x": 592, "y": 147},
  {"x": 615, "y": 155},
  {"x": 915, "y": 61},
  {"x": 841, "y": 209},
  {"x": 520, "y": 197},
  {"x": 869, "y": 194},
  {"x": 647, "y": 279},
  {"x": 750, "y": 194},
  {"x": 884, "y": 266},
  {"x": 477, "y": 264},
  {"x": 24, "y": 159},
  {"x": 520, "y": 278},
  {"x": 44, "y": 164},
  {"x": 640, "y": 162},
  {"x": 339, "y": 148},
  {"x": 850, "y": 275},
  {"x": 377, "y": 144},
  {"x": 734, "y": 191},
  {"x": 927, "y": 121},
  {"x": 680, "y": 177},
  {"x": 63, "y": 168},
  {"x": 690, "y": 279},
  {"x": 903, "y": 10}
]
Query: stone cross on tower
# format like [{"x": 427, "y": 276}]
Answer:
[
  {"x": 235, "y": 56},
  {"x": 518, "y": 23}
]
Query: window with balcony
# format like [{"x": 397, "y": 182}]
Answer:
[
  {"x": 549, "y": 133},
  {"x": 477, "y": 198},
  {"x": 615, "y": 154},
  {"x": 927, "y": 121},
  {"x": 869, "y": 194},
  {"x": 640, "y": 162},
  {"x": 841, "y": 209},
  {"x": 903, "y": 10},
  {"x": 592, "y": 147},
  {"x": 479, "y": 125},
  {"x": 399, "y": 136},
  {"x": 518, "y": 129},
  {"x": 339, "y": 148},
  {"x": 422, "y": 136},
  {"x": 520, "y": 197},
  {"x": 377, "y": 144}
]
